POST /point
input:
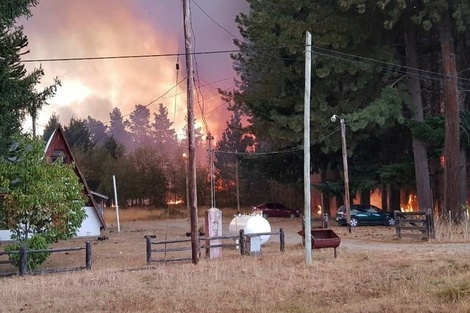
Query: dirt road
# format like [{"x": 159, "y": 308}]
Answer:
[{"x": 371, "y": 238}]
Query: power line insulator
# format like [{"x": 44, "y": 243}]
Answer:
[{"x": 177, "y": 66}]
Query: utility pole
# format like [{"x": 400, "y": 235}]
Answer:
[
  {"x": 237, "y": 181},
  {"x": 191, "y": 136},
  {"x": 307, "y": 187},
  {"x": 344, "y": 149},
  {"x": 211, "y": 169}
]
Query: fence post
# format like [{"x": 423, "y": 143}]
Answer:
[
  {"x": 242, "y": 242},
  {"x": 282, "y": 240},
  {"x": 465, "y": 214},
  {"x": 303, "y": 230},
  {"x": 88, "y": 255},
  {"x": 23, "y": 260},
  {"x": 148, "y": 244},
  {"x": 450, "y": 224},
  {"x": 397, "y": 223}
]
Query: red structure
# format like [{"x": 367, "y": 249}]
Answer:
[{"x": 58, "y": 146}]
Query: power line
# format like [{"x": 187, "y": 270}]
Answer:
[
  {"x": 135, "y": 56},
  {"x": 207, "y": 14},
  {"x": 277, "y": 152},
  {"x": 424, "y": 74}
]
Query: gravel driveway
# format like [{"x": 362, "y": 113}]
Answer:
[{"x": 372, "y": 238}]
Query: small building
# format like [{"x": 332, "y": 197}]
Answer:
[{"x": 94, "y": 222}]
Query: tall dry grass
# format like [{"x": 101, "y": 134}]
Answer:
[
  {"x": 356, "y": 282},
  {"x": 134, "y": 214},
  {"x": 366, "y": 277},
  {"x": 451, "y": 231}
]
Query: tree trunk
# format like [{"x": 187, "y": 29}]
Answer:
[
  {"x": 452, "y": 133},
  {"x": 384, "y": 197},
  {"x": 461, "y": 65},
  {"x": 365, "y": 197},
  {"x": 423, "y": 186},
  {"x": 395, "y": 199}
]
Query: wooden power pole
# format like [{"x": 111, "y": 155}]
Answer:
[
  {"x": 191, "y": 137},
  {"x": 307, "y": 185}
]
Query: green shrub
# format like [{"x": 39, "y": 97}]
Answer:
[{"x": 37, "y": 242}]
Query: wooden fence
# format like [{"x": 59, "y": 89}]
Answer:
[
  {"x": 170, "y": 246},
  {"x": 23, "y": 257},
  {"x": 414, "y": 224}
]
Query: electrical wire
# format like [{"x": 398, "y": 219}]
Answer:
[
  {"x": 286, "y": 151},
  {"x": 210, "y": 17}
]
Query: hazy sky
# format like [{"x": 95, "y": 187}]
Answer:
[{"x": 95, "y": 28}]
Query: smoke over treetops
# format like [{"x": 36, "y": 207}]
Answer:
[{"x": 89, "y": 28}]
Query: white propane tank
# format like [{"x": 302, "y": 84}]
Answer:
[{"x": 251, "y": 224}]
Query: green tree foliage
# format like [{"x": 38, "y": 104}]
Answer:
[
  {"x": 97, "y": 130},
  {"x": 368, "y": 95},
  {"x": 42, "y": 199},
  {"x": 227, "y": 161},
  {"x": 114, "y": 148},
  {"x": 78, "y": 136},
  {"x": 118, "y": 127},
  {"x": 17, "y": 87},
  {"x": 50, "y": 127},
  {"x": 435, "y": 31},
  {"x": 139, "y": 125},
  {"x": 163, "y": 133}
]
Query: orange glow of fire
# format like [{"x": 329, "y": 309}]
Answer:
[
  {"x": 411, "y": 204},
  {"x": 176, "y": 202}
]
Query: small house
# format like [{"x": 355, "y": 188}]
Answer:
[{"x": 94, "y": 222}]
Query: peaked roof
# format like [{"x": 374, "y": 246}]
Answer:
[{"x": 57, "y": 141}]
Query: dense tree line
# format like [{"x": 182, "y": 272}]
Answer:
[
  {"x": 389, "y": 68},
  {"x": 395, "y": 71},
  {"x": 145, "y": 157}
]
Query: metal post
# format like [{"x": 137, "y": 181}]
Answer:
[
  {"x": 237, "y": 179},
  {"x": 116, "y": 204},
  {"x": 211, "y": 169},
  {"x": 325, "y": 220},
  {"x": 88, "y": 255},
  {"x": 307, "y": 186}
]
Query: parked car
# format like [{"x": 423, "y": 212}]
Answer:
[
  {"x": 272, "y": 209},
  {"x": 365, "y": 214}
]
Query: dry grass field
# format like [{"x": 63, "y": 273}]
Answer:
[{"x": 374, "y": 272}]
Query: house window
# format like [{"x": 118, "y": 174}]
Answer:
[{"x": 57, "y": 153}]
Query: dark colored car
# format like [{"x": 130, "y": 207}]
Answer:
[
  {"x": 272, "y": 209},
  {"x": 365, "y": 214}
]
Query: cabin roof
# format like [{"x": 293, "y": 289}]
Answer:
[{"x": 57, "y": 142}]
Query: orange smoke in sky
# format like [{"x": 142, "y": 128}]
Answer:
[{"x": 89, "y": 28}]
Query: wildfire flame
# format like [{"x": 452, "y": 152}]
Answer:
[{"x": 172, "y": 202}]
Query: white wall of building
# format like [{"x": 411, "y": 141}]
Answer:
[
  {"x": 5, "y": 235},
  {"x": 90, "y": 226}
]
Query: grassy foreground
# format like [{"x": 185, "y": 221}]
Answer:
[
  {"x": 355, "y": 282},
  {"x": 359, "y": 280}
]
